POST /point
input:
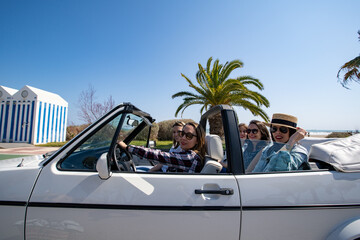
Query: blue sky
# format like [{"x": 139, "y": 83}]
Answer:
[{"x": 136, "y": 50}]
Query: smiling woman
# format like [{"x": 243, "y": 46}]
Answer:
[
  {"x": 284, "y": 154},
  {"x": 189, "y": 159}
]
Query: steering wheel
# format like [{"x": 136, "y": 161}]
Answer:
[{"x": 123, "y": 160}]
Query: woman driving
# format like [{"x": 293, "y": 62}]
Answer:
[{"x": 190, "y": 159}]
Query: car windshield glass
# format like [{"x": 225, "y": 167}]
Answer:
[
  {"x": 85, "y": 156},
  {"x": 130, "y": 123}
]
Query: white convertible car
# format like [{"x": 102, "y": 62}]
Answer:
[{"x": 89, "y": 189}]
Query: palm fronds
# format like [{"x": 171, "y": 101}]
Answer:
[
  {"x": 214, "y": 87},
  {"x": 352, "y": 72},
  {"x": 351, "y": 69}
]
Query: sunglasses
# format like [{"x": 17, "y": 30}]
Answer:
[
  {"x": 254, "y": 131},
  {"x": 188, "y": 135},
  {"x": 281, "y": 129}
]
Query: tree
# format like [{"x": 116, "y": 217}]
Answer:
[
  {"x": 214, "y": 87},
  {"x": 90, "y": 110},
  {"x": 351, "y": 69}
]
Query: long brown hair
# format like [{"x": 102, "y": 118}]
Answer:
[
  {"x": 265, "y": 135},
  {"x": 199, "y": 148}
]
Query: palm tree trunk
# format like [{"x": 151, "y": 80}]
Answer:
[{"x": 216, "y": 126}]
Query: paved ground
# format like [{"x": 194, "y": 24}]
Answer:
[{"x": 24, "y": 149}]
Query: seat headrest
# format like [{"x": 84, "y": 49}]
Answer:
[{"x": 214, "y": 147}]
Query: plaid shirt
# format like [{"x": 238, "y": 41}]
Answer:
[{"x": 184, "y": 161}]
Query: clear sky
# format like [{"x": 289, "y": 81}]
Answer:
[{"x": 135, "y": 51}]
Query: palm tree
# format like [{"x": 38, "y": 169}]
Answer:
[
  {"x": 215, "y": 87},
  {"x": 352, "y": 69}
]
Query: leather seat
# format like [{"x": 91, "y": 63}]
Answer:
[{"x": 215, "y": 153}]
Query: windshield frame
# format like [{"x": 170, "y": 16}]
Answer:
[{"x": 78, "y": 140}]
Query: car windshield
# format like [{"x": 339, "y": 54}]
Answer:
[{"x": 84, "y": 157}]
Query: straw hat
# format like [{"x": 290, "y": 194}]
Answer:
[{"x": 283, "y": 120}]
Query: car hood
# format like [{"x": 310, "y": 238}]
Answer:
[{"x": 28, "y": 161}]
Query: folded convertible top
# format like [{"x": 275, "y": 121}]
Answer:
[{"x": 343, "y": 154}]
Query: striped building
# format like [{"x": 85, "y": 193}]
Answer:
[{"x": 32, "y": 115}]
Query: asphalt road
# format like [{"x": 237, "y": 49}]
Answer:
[{"x": 13, "y": 150}]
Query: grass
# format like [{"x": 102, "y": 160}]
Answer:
[{"x": 52, "y": 144}]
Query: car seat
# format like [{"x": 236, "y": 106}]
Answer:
[{"x": 214, "y": 154}]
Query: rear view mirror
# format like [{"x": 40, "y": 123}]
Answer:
[{"x": 132, "y": 122}]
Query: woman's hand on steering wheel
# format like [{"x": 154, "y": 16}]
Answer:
[
  {"x": 122, "y": 145},
  {"x": 123, "y": 158}
]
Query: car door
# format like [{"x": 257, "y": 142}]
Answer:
[
  {"x": 70, "y": 201},
  {"x": 297, "y": 205}
]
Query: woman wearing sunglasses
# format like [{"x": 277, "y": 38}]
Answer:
[
  {"x": 285, "y": 154},
  {"x": 190, "y": 159},
  {"x": 176, "y": 129},
  {"x": 259, "y": 138}
]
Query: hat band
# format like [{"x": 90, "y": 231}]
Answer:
[{"x": 284, "y": 122}]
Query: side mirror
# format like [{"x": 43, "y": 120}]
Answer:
[{"x": 103, "y": 167}]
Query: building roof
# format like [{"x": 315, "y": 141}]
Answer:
[
  {"x": 40, "y": 95},
  {"x": 6, "y": 92}
]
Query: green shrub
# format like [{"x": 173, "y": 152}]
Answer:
[
  {"x": 339, "y": 135},
  {"x": 143, "y": 135},
  {"x": 72, "y": 131}
]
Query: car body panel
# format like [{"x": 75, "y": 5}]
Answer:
[
  {"x": 16, "y": 185},
  {"x": 301, "y": 223},
  {"x": 12, "y": 221},
  {"x": 316, "y": 202},
  {"x": 131, "y": 224},
  {"x": 348, "y": 230},
  {"x": 150, "y": 200},
  {"x": 300, "y": 188}
]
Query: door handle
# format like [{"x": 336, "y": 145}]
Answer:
[{"x": 221, "y": 191}]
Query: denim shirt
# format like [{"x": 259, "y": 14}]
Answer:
[
  {"x": 250, "y": 151},
  {"x": 274, "y": 160}
]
